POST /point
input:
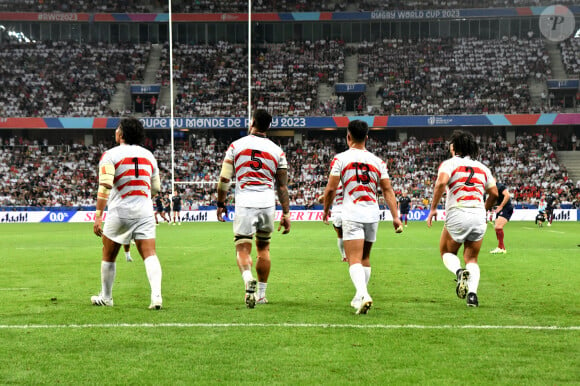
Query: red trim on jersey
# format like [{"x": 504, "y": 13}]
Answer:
[
  {"x": 134, "y": 183},
  {"x": 465, "y": 169},
  {"x": 254, "y": 183},
  {"x": 469, "y": 198},
  {"x": 468, "y": 189},
  {"x": 129, "y": 161},
  {"x": 262, "y": 154},
  {"x": 131, "y": 173},
  {"x": 353, "y": 179},
  {"x": 364, "y": 198},
  {"x": 350, "y": 166},
  {"x": 254, "y": 175},
  {"x": 473, "y": 180},
  {"x": 361, "y": 188},
  {"x": 249, "y": 164},
  {"x": 135, "y": 193}
]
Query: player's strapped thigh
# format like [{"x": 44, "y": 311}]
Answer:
[
  {"x": 263, "y": 236},
  {"x": 242, "y": 239}
]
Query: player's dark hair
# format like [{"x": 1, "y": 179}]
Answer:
[
  {"x": 358, "y": 130},
  {"x": 133, "y": 131},
  {"x": 464, "y": 144},
  {"x": 262, "y": 120}
]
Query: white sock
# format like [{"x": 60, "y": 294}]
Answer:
[
  {"x": 247, "y": 276},
  {"x": 357, "y": 275},
  {"x": 451, "y": 262},
  {"x": 127, "y": 254},
  {"x": 367, "y": 274},
  {"x": 474, "y": 274},
  {"x": 340, "y": 244},
  {"x": 153, "y": 269},
  {"x": 262, "y": 289},
  {"x": 108, "y": 271}
]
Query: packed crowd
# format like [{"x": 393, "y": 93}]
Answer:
[
  {"x": 570, "y": 50},
  {"x": 65, "y": 78},
  {"x": 211, "y": 82},
  {"x": 428, "y": 76},
  {"x": 94, "y": 6},
  {"x": 454, "y": 76},
  {"x": 40, "y": 175},
  {"x": 239, "y": 6},
  {"x": 371, "y": 5},
  {"x": 209, "y": 79},
  {"x": 286, "y": 76}
]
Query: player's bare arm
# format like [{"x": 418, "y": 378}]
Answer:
[
  {"x": 282, "y": 191},
  {"x": 391, "y": 201},
  {"x": 438, "y": 190},
  {"x": 329, "y": 194},
  {"x": 106, "y": 178},
  {"x": 222, "y": 188}
]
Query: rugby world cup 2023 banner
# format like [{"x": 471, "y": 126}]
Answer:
[{"x": 61, "y": 216}]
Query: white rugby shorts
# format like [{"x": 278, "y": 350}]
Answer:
[
  {"x": 337, "y": 219},
  {"x": 466, "y": 225},
  {"x": 353, "y": 230},
  {"x": 248, "y": 221},
  {"x": 123, "y": 230}
]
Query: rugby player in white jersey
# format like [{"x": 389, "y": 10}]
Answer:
[
  {"x": 465, "y": 180},
  {"x": 128, "y": 177},
  {"x": 260, "y": 169},
  {"x": 361, "y": 174}
]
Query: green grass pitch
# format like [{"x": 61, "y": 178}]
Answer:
[{"x": 526, "y": 330}]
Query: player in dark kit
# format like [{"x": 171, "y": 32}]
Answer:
[
  {"x": 176, "y": 201},
  {"x": 404, "y": 206},
  {"x": 159, "y": 208},
  {"x": 551, "y": 202},
  {"x": 167, "y": 208},
  {"x": 503, "y": 212}
]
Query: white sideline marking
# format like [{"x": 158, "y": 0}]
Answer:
[
  {"x": 14, "y": 289},
  {"x": 288, "y": 325}
]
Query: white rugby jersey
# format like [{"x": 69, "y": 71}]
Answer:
[
  {"x": 360, "y": 173},
  {"x": 131, "y": 193},
  {"x": 468, "y": 180},
  {"x": 255, "y": 161}
]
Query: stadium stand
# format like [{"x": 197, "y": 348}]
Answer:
[
  {"x": 65, "y": 175},
  {"x": 65, "y": 78},
  {"x": 238, "y": 6},
  {"x": 78, "y": 6},
  {"x": 570, "y": 50},
  {"x": 447, "y": 4},
  {"x": 426, "y": 76},
  {"x": 454, "y": 76},
  {"x": 209, "y": 79}
]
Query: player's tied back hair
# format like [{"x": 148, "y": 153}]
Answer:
[
  {"x": 358, "y": 130},
  {"x": 464, "y": 143},
  {"x": 262, "y": 120},
  {"x": 133, "y": 131}
]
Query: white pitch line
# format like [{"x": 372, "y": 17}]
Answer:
[
  {"x": 288, "y": 325},
  {"x": 14, "y": 289}
]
